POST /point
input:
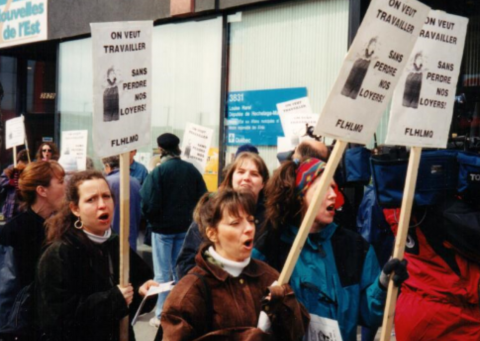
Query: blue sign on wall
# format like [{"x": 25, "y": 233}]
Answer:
[{"x": 252, "y": 115}]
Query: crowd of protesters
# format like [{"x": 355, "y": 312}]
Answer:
[{"x": 60, "y": 253}]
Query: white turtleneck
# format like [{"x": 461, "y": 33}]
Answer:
[
  {"x": 98, "y": 239},
  {"x": 231, "y": 267}
]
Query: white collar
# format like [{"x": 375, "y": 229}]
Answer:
[
  {"x": 230, "y": 266},
  {"x": 99, "y": 239}
]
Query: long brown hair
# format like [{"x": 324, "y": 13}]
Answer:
[
  {"x": 282, "y": 205},
  {"x": 39, "y": 173},
  {"x": 53, "y": 147},
  {"x": 212, "y": 206},
  {"x": 241, "y": 158},
  {"x": 62, "y": 222}
]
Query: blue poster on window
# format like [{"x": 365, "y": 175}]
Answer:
[{"x": 252, "y": 115}]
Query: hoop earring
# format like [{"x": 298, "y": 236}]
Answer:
[{"x": 78, "y": 224}]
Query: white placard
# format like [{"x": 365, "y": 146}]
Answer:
[
  {"x": 153, "y": 290},
  {"x": 74, "y": 144},
  {"x": 371, "y": 70},
  {"x": 14, "y": 132},
  {"x": 322, "y": 328},
  {"x": 122, "y": 68},
  {"x": 296, "y": 106},
  {"x": 22, "y": 22},
  {"x": 196, "y": 143},
  {"x": 423, "y": 101},
  {"x": 298, "y": 125}
]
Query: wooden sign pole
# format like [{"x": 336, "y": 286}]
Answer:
[
  {"x": 15, "y": 156},
  {"x": 124, "y": 232},
  {"x": 325, "y": 181},
  {"x": 400, "y": 240}
]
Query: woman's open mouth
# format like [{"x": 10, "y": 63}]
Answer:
[
  {"x": 248, "y": 243},
  {"x": 331, "y": 208},
  {"x": 104, "y": 218}
]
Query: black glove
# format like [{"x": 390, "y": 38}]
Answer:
[{"x": 400, "y": 269}]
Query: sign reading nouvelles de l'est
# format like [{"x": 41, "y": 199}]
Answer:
[{"x": 22, "y": 21}]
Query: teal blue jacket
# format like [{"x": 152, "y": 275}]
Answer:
[{"x": 326, "y": 282}]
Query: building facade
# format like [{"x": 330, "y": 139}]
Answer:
[{"x": 204, "y": 50}]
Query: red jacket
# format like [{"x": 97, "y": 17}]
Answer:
[{"x": 440, "y": 300}]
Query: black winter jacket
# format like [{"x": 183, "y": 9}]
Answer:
[
  {"x": 169, "y": 196},
  {"x": 26, "y": 235},
  {"x": 77, "y": 293}
]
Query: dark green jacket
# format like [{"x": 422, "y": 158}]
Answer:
[
  {"x": 77, "y": 293},
  {"x": 169, "y": 196}
]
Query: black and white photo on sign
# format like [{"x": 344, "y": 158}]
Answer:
[
  {"x": 413, "y": 84},
  {"x": 359, "y": 70},
  {"x": 111, "y": 98}
]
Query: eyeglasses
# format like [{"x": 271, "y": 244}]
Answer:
[{"x": 46, "y": 150}]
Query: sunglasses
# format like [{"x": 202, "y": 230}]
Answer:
[{"x": 46, "y": 150}]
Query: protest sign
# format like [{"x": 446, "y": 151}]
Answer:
[
  {"x": 22, "y": 22},
  {"x": 371, "y": 70},
  {"x": 296, "y": 106},
  {"x": 196, "y": 143},
  {"x": 14, "y": 132},
  {"x": 74, "y": 144},
  {"x": 422, "y": 105},
  {"x": 122, "y": 68},
  {"x": 422, "y": 113},
  {"x": 322, "y": 328},
  {"x": 298, "y": 125}
]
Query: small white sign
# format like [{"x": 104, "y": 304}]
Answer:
[
  {"x": 296, "y": 106},
  {"x": 322, "y": 328},
  {"x": 74, "y": 144},
  {"x": 298, "y": 125},
  {"x": 14, "y": 132},
  {"x": 154, "y": 290},
  {"x": 371, "y": 70},
  {"x": 122, "y": 83},
  {"x": 22, "y": 22},
  {"x": 423, "y": 101},
  {"x": 196, "y": 143}
]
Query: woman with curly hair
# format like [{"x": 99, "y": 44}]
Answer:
[{"x": 47, "y": 151}]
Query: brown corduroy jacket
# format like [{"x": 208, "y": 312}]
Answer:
[{"x": 236, "y": 303}]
